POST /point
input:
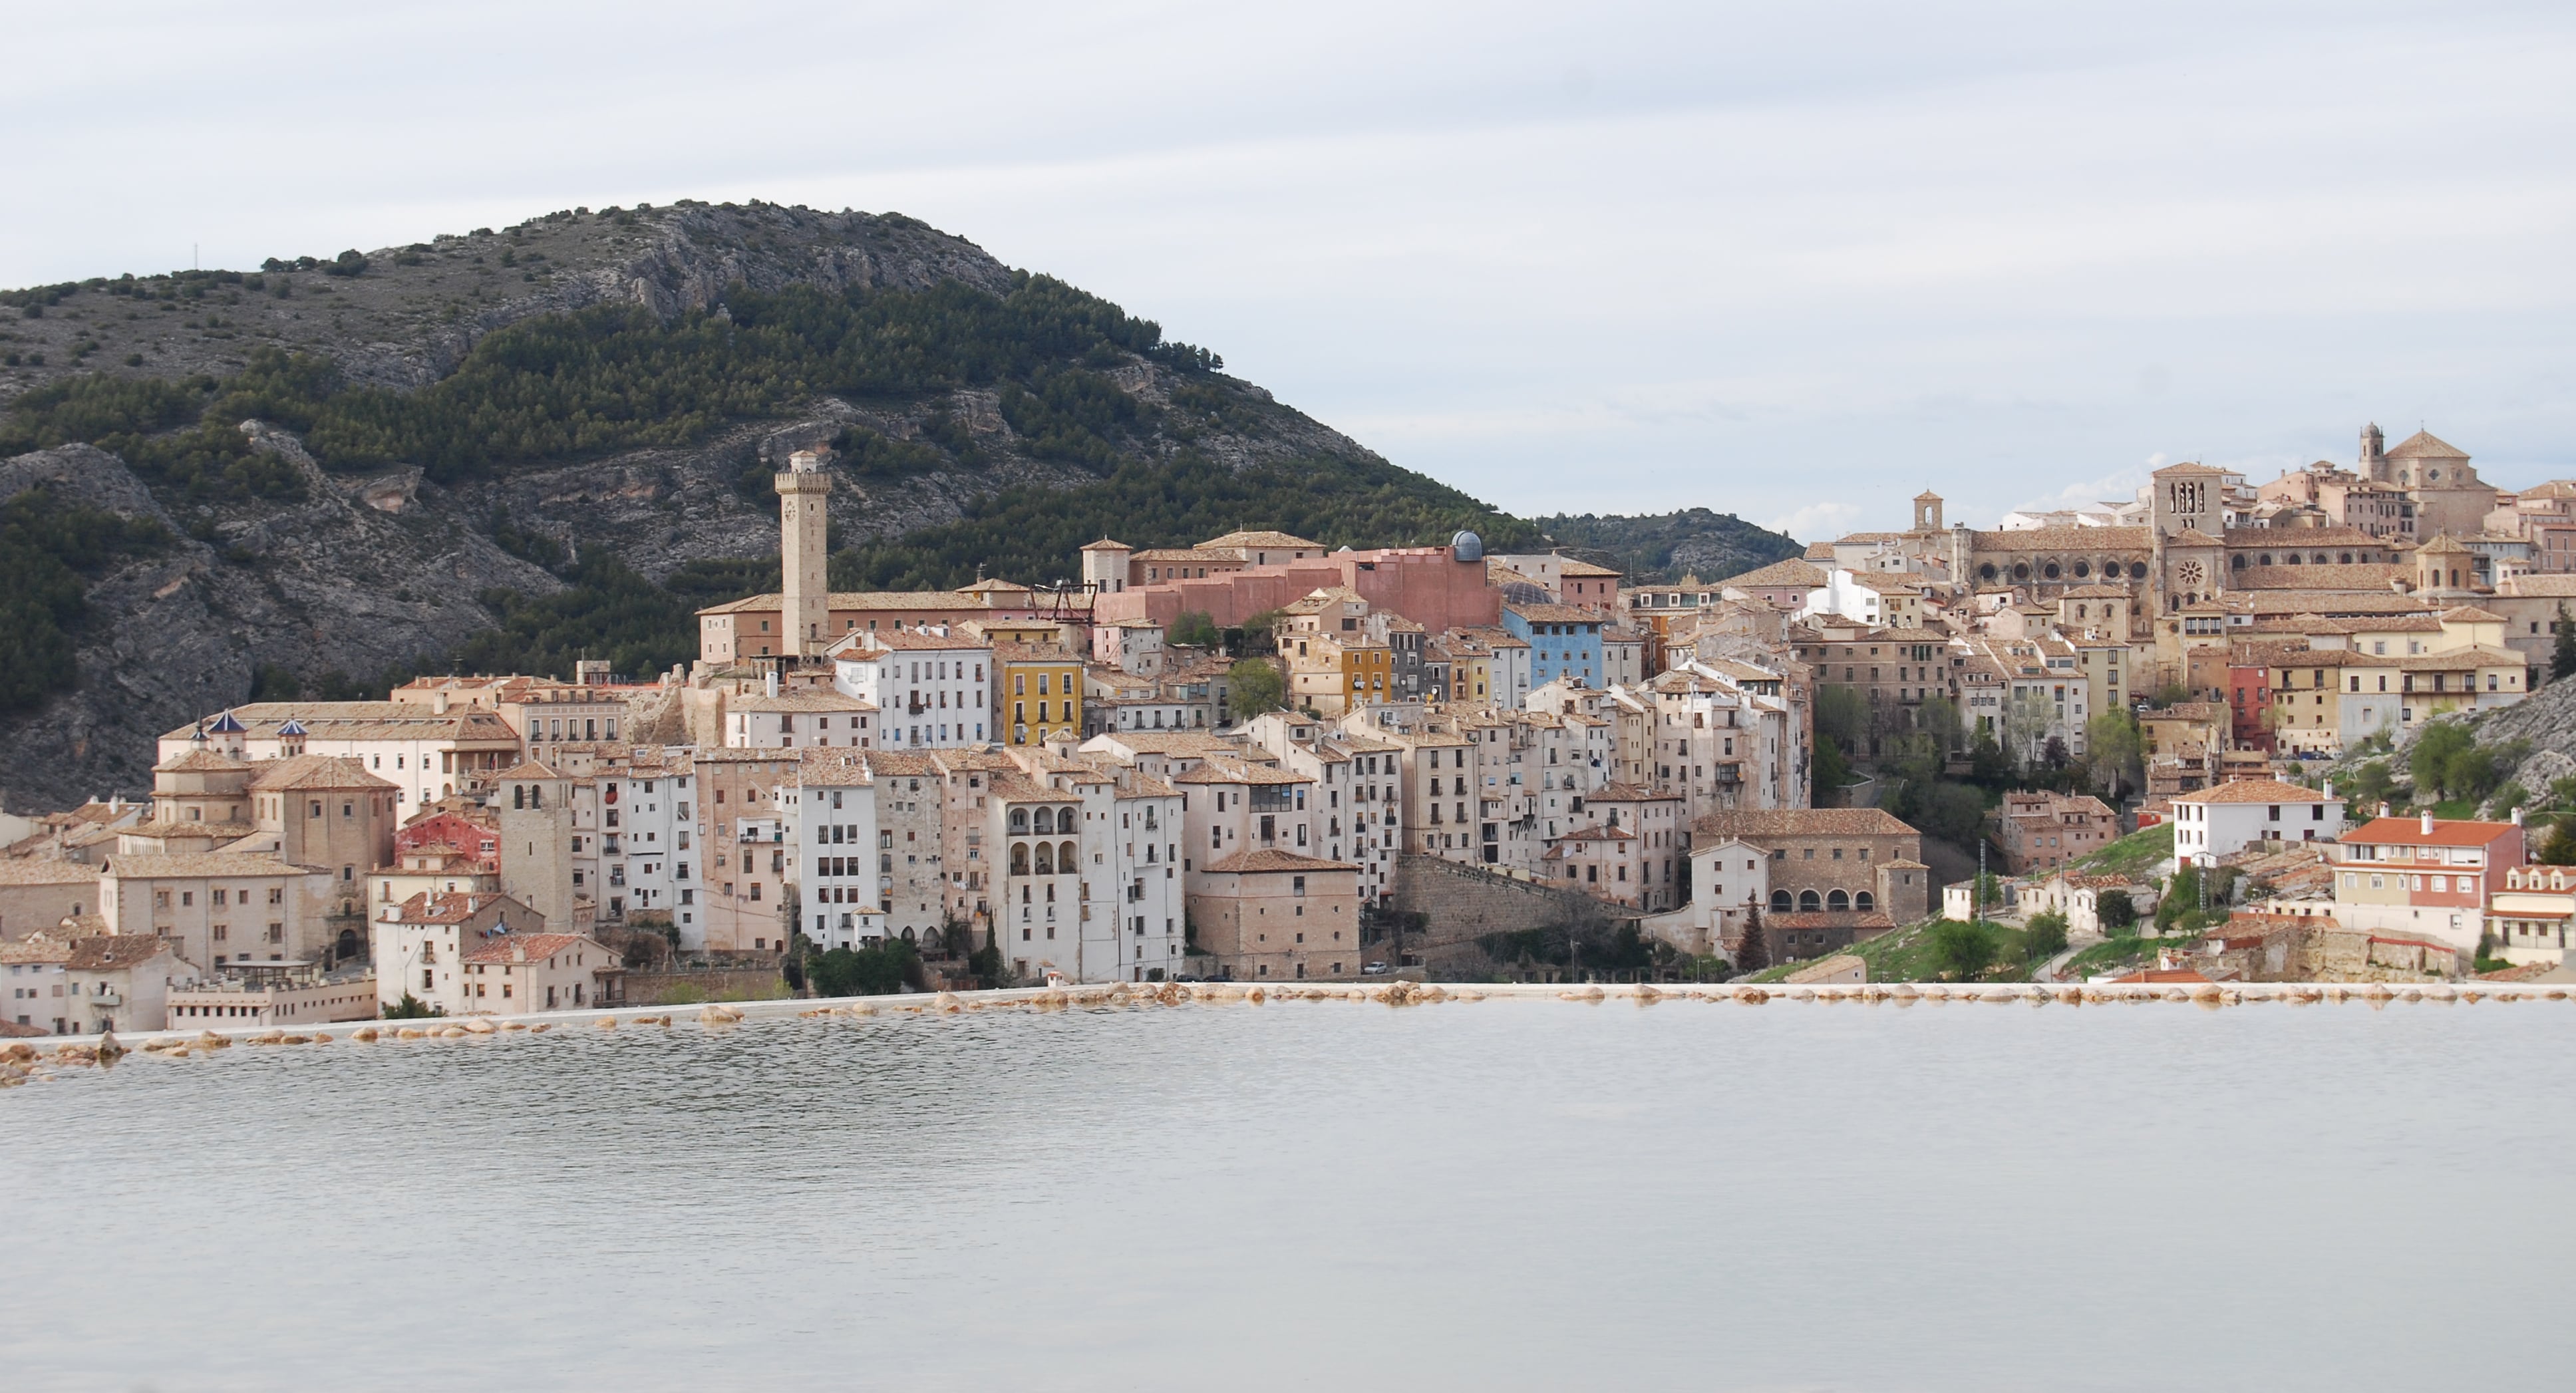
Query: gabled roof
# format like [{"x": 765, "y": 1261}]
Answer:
[
  {"x": 2423, "y": 444},
  {"x": 1778, "y": 574},
  {"x": 520, "y": 948},
  {"x": 1257, "y": 861},
  {"x": 2407, "y": 831},
  {"x": 308, "y": 772},
  {"x": 2253, "y": 791}
]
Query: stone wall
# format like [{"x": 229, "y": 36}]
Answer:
[
  {"x": 717, "y": 984},
  {"x": 1460, "y": 904}
]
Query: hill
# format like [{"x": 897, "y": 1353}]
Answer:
[
  {"x": 508, "y": 448},
  {"x": 1668, "y": 546}
]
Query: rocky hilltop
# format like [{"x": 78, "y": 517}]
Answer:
[{"x": 491, "y": 447}]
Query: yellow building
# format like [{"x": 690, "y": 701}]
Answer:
[
  {"x": 1037, "y": 692},
  {"x": 1331, "y": 674}
]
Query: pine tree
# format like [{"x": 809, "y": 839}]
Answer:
[
  {"x": 1751, "y": 953},
  {"x": 2562, "y": 656}
]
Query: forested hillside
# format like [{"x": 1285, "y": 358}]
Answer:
[
  {"x": 1668, "y": 546},
  {"x": 513, "y": 449}
]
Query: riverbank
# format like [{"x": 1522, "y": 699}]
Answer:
[{"x": 22, "y": 1060}]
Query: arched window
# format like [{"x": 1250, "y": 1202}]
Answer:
[
  {"x": 1779, "y": 901},
  {"x": 1838, "y": 902},
  {"x": 1046, "y": 821},
  {"x": 519, "y": 796},
  {"x": 1864, "y": 901},
  {"x": 2079, "y": 611},
  {"x": 2237, "y": 562},
  {"x": 1019, "y": 822},
  {"x": 1046, "y": 858},
  {"x": 1809, "y": 902},
  {"x": 2344, "y": 557},
  {"x": 1064, "y": 857},
  {"x": 1019, "y": 858},
  {"x": 2295, "y": 558}
]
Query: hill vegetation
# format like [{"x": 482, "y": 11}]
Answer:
[
  {"x": 511, "y": 450},
  {"x": 1667, "y": 546}
]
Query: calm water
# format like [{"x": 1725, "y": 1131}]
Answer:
[{"x": 1530, "y": 1194}]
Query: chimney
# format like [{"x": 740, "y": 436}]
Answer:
[
  {"x": 2383, "y": 807},
  {"x": 438, "y": 703},
  {"x": 769, "y": 682},
  {"x": 2329, "y": 790},
  {"x": 2428, "y": 822},
  {"x": 2517, "y": 817}
]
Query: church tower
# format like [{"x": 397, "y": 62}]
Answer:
[
  {"x": 804, "y": 570},
  {"x": 2374, "y": 454}
]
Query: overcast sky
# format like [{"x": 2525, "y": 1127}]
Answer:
[{"x": 1793, "y": 262}]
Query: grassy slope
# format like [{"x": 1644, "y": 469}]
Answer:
[
  {"x": 1906, "y": 955},
  {"x": 2132, "y": 855}
]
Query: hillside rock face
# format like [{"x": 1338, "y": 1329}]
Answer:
[
  {"x": 332, "y": 583},
  {"x": 370, "y": 572}
]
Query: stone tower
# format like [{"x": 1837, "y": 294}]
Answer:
[
  {"x": 2374, "y": 454},
  {"x": 804, "y": 555},
  {"x": 1927, "y": 511},
  {"x": 1104, "y": 566}
]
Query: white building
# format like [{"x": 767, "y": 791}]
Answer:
[
  {"x": 2233, "y": 816},
  {"x": 930, "y": 689},
  {"x": 842, "y": 868}
]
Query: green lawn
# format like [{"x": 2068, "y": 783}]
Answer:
[
  {"x": 2133, "y": 854},
  {"x": 2112, "y": 955},
  {"x": 1906, "y": 956}
]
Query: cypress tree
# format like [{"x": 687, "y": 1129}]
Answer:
[
  {"x": 1752, "y": 954},
  {"x": 2562, "y": 656}
]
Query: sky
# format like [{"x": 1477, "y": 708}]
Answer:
[{"x": 1790, "y": 262}]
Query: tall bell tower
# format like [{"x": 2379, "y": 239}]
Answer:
[{"x": 804, "y": 557}]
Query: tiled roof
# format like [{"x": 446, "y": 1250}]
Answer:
[
  {"x": 108, "y": 952},
  {"x": 2407, "y": 831},
  {"x": 1797, "y": 822},
  {"x": 142, "y": 866},
  {"x": 200, "y": 761},
  {"x": 860, "y": 600},
  {"x": 2095, "y": 540},
  {"x": 800, "y": 699},
  {"x": 364, "y": 720},
  {"x": 519, "y": 948},
  {"x": 1243, "y": 862},
  {"x": 39, "y": 871},
  {"x": 1274, "y": 541},
  {"x": 2423, "y": 444},
  {"x": 2253, "y": 791},
  {"x": 860, "y": 645},
  {"x": 1792, "y": 572},
  {"x": 306, "y": 772}
]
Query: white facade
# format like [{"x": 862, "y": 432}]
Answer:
[
  {"x": 1843, "y": 594},
  {"x": 930, "y": 691},
  {"x": 2233, "y": 816},
  {"x": 832, "y": 820}
]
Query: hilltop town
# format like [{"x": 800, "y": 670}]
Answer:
[{"x": 1259, "y": 759}]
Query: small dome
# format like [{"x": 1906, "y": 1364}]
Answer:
[{"x": 1467, "y": 546}]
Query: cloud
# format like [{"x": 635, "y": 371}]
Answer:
[
  {"x": 1816, "y": 521},
  {"x": 1634, "y": 256}
]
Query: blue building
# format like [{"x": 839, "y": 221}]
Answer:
[{"x": 1564, "y": 640}]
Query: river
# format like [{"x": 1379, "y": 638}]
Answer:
[{"x": 1524, "y": 1194}]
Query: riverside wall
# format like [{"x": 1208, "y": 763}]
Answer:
[
  {"x": 1461, "y": 904},
  {"x": 1901, "y": 995}
]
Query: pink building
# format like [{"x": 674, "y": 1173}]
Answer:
[{"x": 1432, "y": 586}]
